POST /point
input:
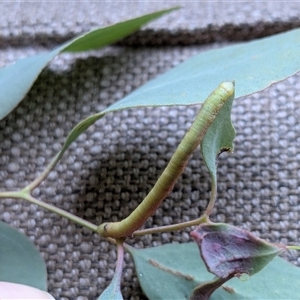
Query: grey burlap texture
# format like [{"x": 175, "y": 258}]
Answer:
[{"x": 112, "y": 166}]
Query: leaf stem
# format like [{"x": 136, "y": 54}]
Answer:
[
  {"x": 45, "y": 173},
  {"x": 120, "y": 259},
  {"x": 24, "y": 194},
  {"x": 174, "y": 227},
  {"x": 73, "y": 135},
  {"x": 212, "y": 200}
]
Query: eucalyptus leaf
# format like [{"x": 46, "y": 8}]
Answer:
[
  {"x": 112, "y": 292},
  {"x": 17, "y": 79},
  {"x": 20, "y": 261},
  {"x": 218, "y": 138},
  {"x": 229, "y": 250},
  {"x": 252, "y": 65},
  {"x": 172, "y": 271}
]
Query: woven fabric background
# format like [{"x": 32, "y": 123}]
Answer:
[{"x": 112, "y": 166}]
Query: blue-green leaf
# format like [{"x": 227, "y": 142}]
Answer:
[
  {"x": 20, "y": 261},
  {"x": 172, "y": 271},
  {"x": 218, "y": 138},
  {"x": 252, "y": 65},
  {"x": 112, "y": 292},
  {"x": 17, "y": 79}
]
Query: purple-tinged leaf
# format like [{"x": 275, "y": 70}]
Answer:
[{"x": 228, "y": 250}]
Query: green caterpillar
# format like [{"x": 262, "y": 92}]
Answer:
[{"x": 166, "y": 181}]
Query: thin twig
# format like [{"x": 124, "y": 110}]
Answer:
[
  {"x": 174, "y": 227},
  {"x": 24, "y": 194}
]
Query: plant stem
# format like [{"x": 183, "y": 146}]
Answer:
[
  {"x": 120, "y": 259},
  {"x": 45, "y": 173},
  {"x": 212, "y": 200},
  {"x": 175, "y": 227},
  {"x": 293, "y": 247},
  {"x": 24, "y": 194},
  {"x": 73, "y": 135},
  {"x": 166, "y": 181}
]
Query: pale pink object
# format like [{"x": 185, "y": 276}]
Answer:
[{"x": 9, "y": 290}]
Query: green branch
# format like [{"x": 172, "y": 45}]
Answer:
[
  {"x": 174, "y": 227},
  {"x": 24, "y": 194}
]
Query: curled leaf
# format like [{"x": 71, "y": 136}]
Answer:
[
  {"x": 228, "y": 250},
  {"x": 218, "y": 138}
]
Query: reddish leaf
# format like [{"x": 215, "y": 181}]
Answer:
[{"x": 228, "y": 250}]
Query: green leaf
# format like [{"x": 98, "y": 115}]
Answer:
[
  {"x": 17, "y": 79},
  {"x": 218, "y": 138},
  {"x": 168, "y": 272},
  {"x": 20, "y": 261},
  {"x": 101, "y": 37},
  {"x": 112, "y": 292},
  {"x": 172, "y": 271},
  {"x": 252, "y": 65}
]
